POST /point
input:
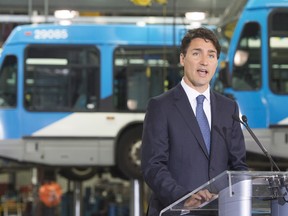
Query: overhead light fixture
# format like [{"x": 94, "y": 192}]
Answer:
[
  {"x": 195, "y": 16},
  {"x": 65, "y": 14},
  {"x": 194, "y": 25}
]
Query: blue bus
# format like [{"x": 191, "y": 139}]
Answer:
[
  {"x": 256, "y": 73},
  {"x": 74, "y": 96}
]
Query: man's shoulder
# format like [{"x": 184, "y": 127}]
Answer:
[
  {"x": 221, "y": 97},
  {"x": 169, "y": 94}
]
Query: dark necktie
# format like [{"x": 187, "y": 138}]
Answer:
[{"x": 202, "y": 121}]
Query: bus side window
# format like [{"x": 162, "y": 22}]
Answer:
[
  {"x": 61, "y": 79},
  {"x": 247, "y": 60},
  {"x": 8, "y": 82},
  {"x": 141, "y": 73},
  {"x": 278, "y": 52}
]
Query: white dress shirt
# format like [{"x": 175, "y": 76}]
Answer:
[{"x": 192, "y": 94}]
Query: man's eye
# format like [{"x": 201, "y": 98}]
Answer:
[{"x": 195, "y": 54}]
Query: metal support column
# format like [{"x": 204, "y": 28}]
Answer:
[
  {"x": 77, "y": 198},
  {"x": 136, "y": 201}
]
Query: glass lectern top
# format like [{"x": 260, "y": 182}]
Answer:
[{"x": 245, "y": 192}]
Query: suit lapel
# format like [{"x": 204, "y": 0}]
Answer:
[
  {"x": 185, "y": 109},
  {"x": 215, "y": 121}
]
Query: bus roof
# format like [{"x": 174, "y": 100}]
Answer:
[
  {"x": 254, "y": 4},
  {"x": 91, "y": 33}
]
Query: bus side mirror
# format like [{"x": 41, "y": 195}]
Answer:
[
  {"x": 224, "y": 75},
  {"x": 240, "y": 58},
  {"x": 223, "y": 79}
]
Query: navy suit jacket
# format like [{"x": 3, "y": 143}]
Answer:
[{"x": 175, "y": 160}]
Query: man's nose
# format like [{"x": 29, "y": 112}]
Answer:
[{"x": 204, "y": 60}]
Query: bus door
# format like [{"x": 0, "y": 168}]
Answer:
[{"x": 278, "y": 67}]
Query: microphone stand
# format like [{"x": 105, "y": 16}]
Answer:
[{"x": 244, "y": 121}]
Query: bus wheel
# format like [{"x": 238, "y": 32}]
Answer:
[
  {"x": 128, "y": 151},
  {"x": 78, "y": 173}
]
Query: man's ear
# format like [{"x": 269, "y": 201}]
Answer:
[{"x": 181, "y": 59}]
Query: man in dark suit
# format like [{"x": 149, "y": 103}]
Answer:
[{"x": 177, "y": 154}]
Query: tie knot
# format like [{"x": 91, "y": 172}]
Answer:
[{"x": 200, "y": 99}]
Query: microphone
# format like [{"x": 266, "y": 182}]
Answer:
[{"x": 244, "y": 121}]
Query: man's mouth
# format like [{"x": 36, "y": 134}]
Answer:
[{"x": 202, "y": 72}]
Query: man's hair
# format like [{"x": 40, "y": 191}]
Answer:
[{"x": 203, "y": 33}]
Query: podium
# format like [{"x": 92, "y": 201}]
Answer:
[{"x": 238, "y": 193}]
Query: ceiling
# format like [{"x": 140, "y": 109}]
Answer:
[{"x": 173, "y": 8}]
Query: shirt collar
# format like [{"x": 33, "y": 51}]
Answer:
[{"x": 193, "y": 93}]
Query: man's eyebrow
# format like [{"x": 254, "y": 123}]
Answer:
[{"x": 210, "y": 51}]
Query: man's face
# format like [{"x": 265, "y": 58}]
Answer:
[{"x": 200, "y": 63}]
